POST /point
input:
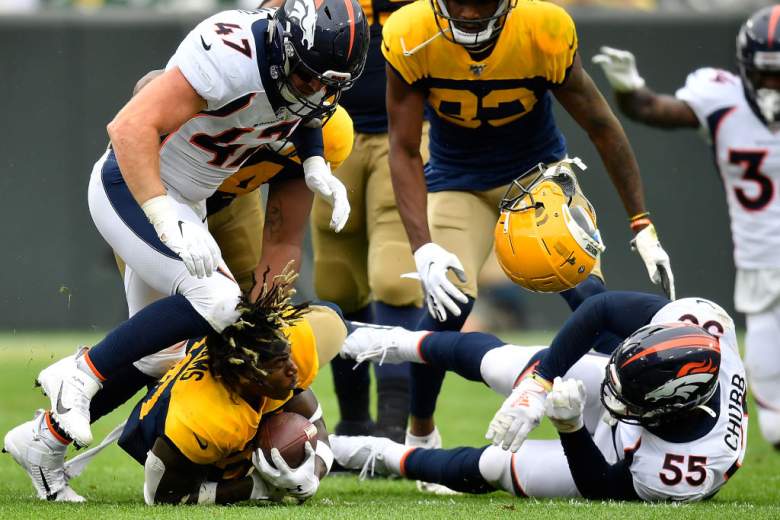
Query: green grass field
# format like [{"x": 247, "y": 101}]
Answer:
[{"x": 113, "y": 483}]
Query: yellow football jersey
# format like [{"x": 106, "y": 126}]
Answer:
[
  {"x": 337, "y": 138},
  {"x": 205, "y": 421},
  {"x": 491, "y": 119}
]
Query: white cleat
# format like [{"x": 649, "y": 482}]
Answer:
[
  {"x": 364, "y": 453},
  {"x": 45, "y": 466},
  {"x": 70, "y": 390},
  {"x": 430, "y": 441},
  {"x": 383, "y": 345}
]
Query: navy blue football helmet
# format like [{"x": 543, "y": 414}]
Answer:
[
  {"x": 322, "y": 40},
  {"x": 660, "y": 371},
  {"x": 758, "y": 58}
]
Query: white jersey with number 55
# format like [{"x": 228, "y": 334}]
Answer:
[
  {"x": 688, "y": 471},
  {"x": 224, "y": 60},
  {"x": 748, "y": 158}
]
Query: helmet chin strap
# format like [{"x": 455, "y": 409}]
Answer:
[{"x": 708, "y": 410}]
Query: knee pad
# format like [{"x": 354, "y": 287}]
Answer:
[
  {"x": 495, "y": 465},
  {"x": 215, "y": 298}
]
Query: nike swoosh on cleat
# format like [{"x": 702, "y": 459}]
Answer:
[
  {"x": 203, "y": 42},
  {"x": 61, "y": 409},
  {"x": 45, "y": 484},
  {"x": 203, "y": 445}
]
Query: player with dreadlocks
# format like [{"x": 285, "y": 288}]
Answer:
[{"x": 194, "y": 431}]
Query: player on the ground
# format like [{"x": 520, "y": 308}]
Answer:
[
  {"x": 194, "y": 430},
  {"x": 740, "y": 117},
  {"x": 488, "y": 69},
  {"x": 239, "y": 80},
  {"x": 673, "y": 394}
]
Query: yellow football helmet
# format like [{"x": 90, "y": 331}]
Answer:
[{"x": 546, "y": 239}]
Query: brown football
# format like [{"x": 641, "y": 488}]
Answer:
[{"x": 287, "y": 432}]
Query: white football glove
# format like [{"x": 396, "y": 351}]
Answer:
[
  {"x": 655, "y": 258},
  {"x": 565, "y": 403},
  {"x": 521, "y": 412},
  {"x": 321, "y": 180},
  {"x": 194, "y": 244},
  {"x": 620, "y": 68},
  {"x": 301, "y": 482},
  {"x": 433, "y": 262}
]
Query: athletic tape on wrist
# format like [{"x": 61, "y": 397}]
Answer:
[
  {"x": 317, "y": 415},
  {"x": 207, "y": 493},
  {"x": 324, "y": 452}
]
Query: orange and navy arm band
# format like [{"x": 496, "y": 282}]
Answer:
[{"x": 639, "y": 221}]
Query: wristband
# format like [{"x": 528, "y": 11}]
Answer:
[
  {"x": 639, "y": 215},
  {"x": 317, "y": 415},
  {"x": 542, "y": 381},
  {"x": 324, "y": 452},
  {"x": 207, "y": 493},
  {"x": 640, "y": 222},
  {"x": 158, "y": 209}
]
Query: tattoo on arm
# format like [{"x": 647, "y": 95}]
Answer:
[{"x": 273, "y": 216}]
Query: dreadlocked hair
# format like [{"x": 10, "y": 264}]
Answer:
[{"x": 258, "y": 335}]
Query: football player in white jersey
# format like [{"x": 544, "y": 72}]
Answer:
[
  {"x": 239, "y": 80},
  {"x": 662, "y": 419},
  {"x": 740, "y": 117}
]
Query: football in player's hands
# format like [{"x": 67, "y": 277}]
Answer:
[{"x": 287, "y": 432}]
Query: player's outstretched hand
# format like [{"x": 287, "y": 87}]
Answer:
[
  {"x": 620, "y": 68},
  {"x": 194, "y": 244},
  {"x": 301, "y": 482},
  {"x": 521, "y": 412},
  {"x": 565, "y": 403},
  {"x": 656, "y": 260},
  {"x": 433, "y": 262},
  {"x": 321, "y": 180}
]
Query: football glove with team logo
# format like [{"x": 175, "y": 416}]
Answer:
[
  {"x": 194, "y": 244},
  {"x": 301, "y": 482},
  {"x": 521, "y": 412}
]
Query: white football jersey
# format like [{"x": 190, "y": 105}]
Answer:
[
  {"x": 689, "y": 471},
  {"x": 748, "y": 157},
  {"x": 222, "y": 58}
]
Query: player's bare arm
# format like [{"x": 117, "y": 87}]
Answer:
[
  {"x": 306, "y": 404},
  {"x": 659, "y": 110},
  {"x": 636, "y": 100},
  {"x": 161, "y": 107},
  {"x": 583, "y": 101},
  {"x": 171, "y": 478},
  {"x": 286, "y": 216},
  {"x": 405, "y": 106},
  {"x": 146, "y": 79}
]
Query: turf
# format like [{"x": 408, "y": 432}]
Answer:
[{"x": 113, "y": 483}]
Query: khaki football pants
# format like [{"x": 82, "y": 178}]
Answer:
[{"x": 366, "y": 260}]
